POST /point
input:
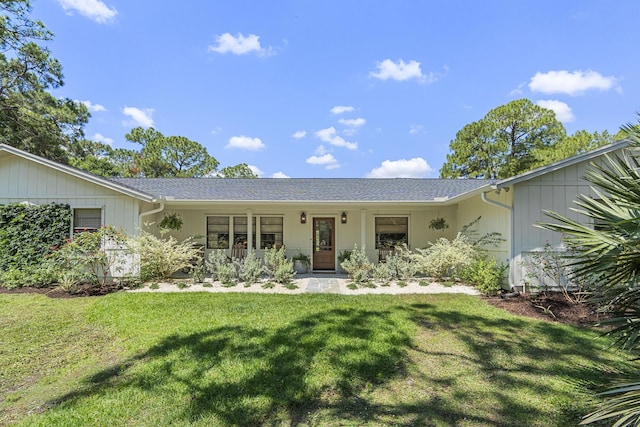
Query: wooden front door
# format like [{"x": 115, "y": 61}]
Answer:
[{"x": 324, "y": 251}]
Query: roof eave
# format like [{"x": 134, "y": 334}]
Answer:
[{"x": 79, "y": 174}]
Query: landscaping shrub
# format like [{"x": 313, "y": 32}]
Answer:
[
  {"x": 216, "y": 259},
  {"x": 382, "y": 272},
  {"x": 160, "y": 257},
  {"x": 28, "y": 233},
  {"x": 88, "y": 257},
  {"x": 250, "y": 268},
  {"x": 38, "y": 276},
  {"x": 277, "y": 266},
  {"x": 485, "y": 274},
  {"x": 445, "y": 258},
  {"x": 401, "y": 263},
  {"x": 358, "y": 266}
]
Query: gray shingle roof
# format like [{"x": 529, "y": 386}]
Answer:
[{"x": 304, "y": 189}]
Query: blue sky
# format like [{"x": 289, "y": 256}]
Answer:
[{"x": 340, "y": 88}]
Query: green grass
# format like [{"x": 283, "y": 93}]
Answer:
[{"x": 200, "y": 359}]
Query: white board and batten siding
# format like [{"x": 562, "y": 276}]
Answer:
[
  {"x": 22, "y": 180},
  {"x": 554, "y": 191}
]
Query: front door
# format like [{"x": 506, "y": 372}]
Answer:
[{"x": 324, "y": 252}]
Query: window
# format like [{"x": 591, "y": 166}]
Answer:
[
  {"x": 391, "y": 231},
  {"x": 86, "y": 219},
  {"x": 270, "y": 232},
  {"x": 217, "y": 232},
  {"x": 240, "y": 236}
]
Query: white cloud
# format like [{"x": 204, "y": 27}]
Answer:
[
  {"x": 575, "y": 83},
  {"x": 353, "y": 122},
  {"x": 245, "y": 143},
  {"x": 100, "y": 138},
  {"x": 414, "y": 168},
  {"x": 340, "y": 109},
  {"x": 329, "y": 135},
  {"x": 140, "y": 117},
  {"x": 415, "y": 129},
  {"x": 321, "y": 150},
  {"x": 279, "y": 175},
  {"x": 517, "y": 91},
  {"x": 93, "y": 9},
  {"x": 401, "y": 71},
  {"x": 256, "y": 170},
  {"x": 216, "y": 130},
  {"x": 240, "y": 45},
  {"x": 94, "y": 108},
  {"x": 299, "y": 134},
  {"x": 562, "y": 110},
  {"x": 327, "y": 160}
]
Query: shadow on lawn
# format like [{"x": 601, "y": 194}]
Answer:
[
  {"x": 320, "y": 364},
  {"x": 517, "y": 356},
  {"x": 241, "y": 375}
]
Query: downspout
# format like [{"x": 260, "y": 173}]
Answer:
[
  {"x": 151, "y": 212},
  {"x": 484, "y": 198}
]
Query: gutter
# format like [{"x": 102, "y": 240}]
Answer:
[
  {"x": 151, "y": 212},
  {"x": 484, "y": 198}
]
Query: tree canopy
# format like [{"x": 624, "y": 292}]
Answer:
[
  {"x": 160, "y": 156},
  {"x": 30, "y": 117},
  {"x": 503, "y": 143}
]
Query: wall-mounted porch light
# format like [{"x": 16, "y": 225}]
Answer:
[
  {"x": 343, "y": 218},
  {"x": 303, "y": 218}
]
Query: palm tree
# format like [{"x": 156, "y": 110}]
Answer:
[{"x": 605, "y": 255}]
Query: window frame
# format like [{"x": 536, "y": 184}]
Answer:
[
  {"x": 77, "y": 229},
  {"x": 274, "y": 241},
  {"x": 378, "y": 240}
]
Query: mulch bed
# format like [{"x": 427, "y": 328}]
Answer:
[
  {"x": 81, "y": 291},
  {"x": 551, "y": 306}
]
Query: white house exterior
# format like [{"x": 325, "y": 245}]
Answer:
[
  {"x": 318, "y": 217},
  {"x": 553, "y": 187}
]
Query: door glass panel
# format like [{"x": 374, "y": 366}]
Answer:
[{"x": 323, "y": 235}]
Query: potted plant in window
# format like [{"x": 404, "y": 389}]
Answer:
[{"x": 301, "y": 263}]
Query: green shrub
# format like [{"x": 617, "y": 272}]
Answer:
[
  {"x": 446, "y": 258},
  {"x": 358, "y": 266},
  {"x": 198, "y": 272},
  {"x": 160, "y": 257},
  {"x": 89, "y": 257},
  {"x": 216, "y": 259},
  {"x": 38, "y": 276},
  {"x": 277, "y": 266},
  {"x": 485, "y": 274},
  {"x": 382, "y": 272},
  {"x": 401, "y": 263},
  {"x": 28, "y": 233},
  {"x": 250, "y": 268}
]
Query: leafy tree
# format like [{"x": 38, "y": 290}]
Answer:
[
  {"x": 238, "y": 171},
  {"x": 173, "y": 156},
  {"x": 579, "y": 142},
  {"x": 503, "y": 143},
  {"x": 30, "y": 117},
  {"x": 607, "y": 259},
  {"x": 94, "y": 157}
]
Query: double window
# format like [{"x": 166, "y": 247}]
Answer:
[
  {"x": 86, "y": 219},
  {"x": 392, "y": 231},
  {"x": 221, "y": 228}
]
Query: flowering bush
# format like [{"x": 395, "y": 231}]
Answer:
[{"x": 88, "y": 257}]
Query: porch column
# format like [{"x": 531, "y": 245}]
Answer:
[
  {"x": 249, "y": 230},
  {"x": 363, "y": 227}
]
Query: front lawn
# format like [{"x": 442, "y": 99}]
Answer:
[{"x": 202, "y": 359}]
